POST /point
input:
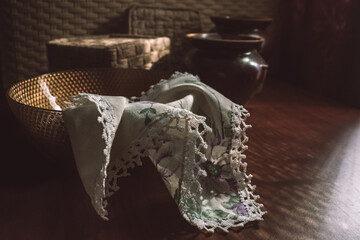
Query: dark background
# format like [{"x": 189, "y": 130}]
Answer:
[
  {"x": 320, "y": 47},
  {"x": 316, "y": 48},
  {"x": 315, "y": 43}
]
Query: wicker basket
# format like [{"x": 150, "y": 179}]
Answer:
[
  {"x": 165, "y": 21},
  {"x": 30, "y": 104}
]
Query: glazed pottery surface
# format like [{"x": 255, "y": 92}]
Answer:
[
  {"x": 233, "y": 66},
  {"x": 227, "y": 26}
]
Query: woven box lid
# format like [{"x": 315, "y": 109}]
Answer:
[{"x": 116, "y": 50}]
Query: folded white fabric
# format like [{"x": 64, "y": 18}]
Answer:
[{"x": 194, "y": 136}]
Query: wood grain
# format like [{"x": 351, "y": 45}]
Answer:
[{"x": 304, "y": 153}]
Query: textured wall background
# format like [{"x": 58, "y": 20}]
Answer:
[
  {"x": 28, "y": 25},
  {"x": 321, "y": 51}
]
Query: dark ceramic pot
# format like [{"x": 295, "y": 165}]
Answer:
[
  {"x": 232, "y": 67},
  {"x": 227, "y": 26}
]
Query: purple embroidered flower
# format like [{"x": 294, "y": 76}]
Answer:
[
  {"x": 165, "y": 174},
  {"x": 240, "y": 208}
]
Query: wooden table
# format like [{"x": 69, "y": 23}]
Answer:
[{"x": 304, "y": 153}]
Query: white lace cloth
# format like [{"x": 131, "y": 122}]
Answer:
[{"x": 194, "y": 136}]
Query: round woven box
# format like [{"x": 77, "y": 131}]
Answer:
[{"x": 31, "y": 101}]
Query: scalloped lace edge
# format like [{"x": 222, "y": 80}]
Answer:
[{"x": 106, "y": 183}]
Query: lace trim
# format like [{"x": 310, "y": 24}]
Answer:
[
  {"x": 107, "y": 120},
  {"x": 154, "y": 89},
  {"x": 243, "y": 180},
  {"x": 154, "y": 136},
  {"x": 240, "y": 114},
  {"x": 186, "y": 122}
]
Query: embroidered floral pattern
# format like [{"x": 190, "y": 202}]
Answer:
[{"x": 199, "y": 156}]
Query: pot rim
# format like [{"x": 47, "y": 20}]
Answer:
[
  {"x": 206, "y": 41},
  {"x": 241, "y": 18},
  {"x": 202, "y": 36}
]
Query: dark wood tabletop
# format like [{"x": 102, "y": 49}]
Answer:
[{"x": 304, "y": 153}]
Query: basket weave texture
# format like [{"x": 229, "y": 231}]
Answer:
[
  {"x": 115, "y": 50},
  {"x": 28, "y": 25},
  {"x": 171, "y": 22},
  {"x": 30, "y": 104}
]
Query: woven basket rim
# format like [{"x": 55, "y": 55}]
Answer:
[
  {"x": 13, "y": 101},
  {"x": 10, "y": 99}
]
